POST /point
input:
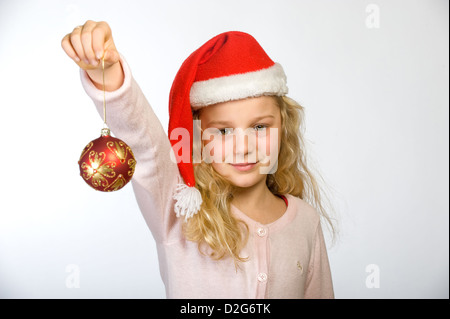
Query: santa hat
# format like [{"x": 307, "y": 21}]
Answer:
[{"x": 230, "y": 66}]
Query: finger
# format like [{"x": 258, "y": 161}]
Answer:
[
  {"x": 111, "y": 57},
  {"x": 86, "y": 41},
  {"x": 103, "y": 44},
  {"x": 75, "y": 41},
  {"x": 99, "y": 36},
  {"x": 67, "y": 47}
]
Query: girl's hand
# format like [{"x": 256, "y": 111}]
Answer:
[{"x": 86, "y": 45}]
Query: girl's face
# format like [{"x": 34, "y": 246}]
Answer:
[{"x": 241, "y": 139}]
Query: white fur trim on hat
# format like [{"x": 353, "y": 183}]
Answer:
[
  {"x": 187, "y": 201},
  {"x": 270, "y": 81}
]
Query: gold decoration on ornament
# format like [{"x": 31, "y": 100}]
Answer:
[
  {"x": 119, "y": 149},
  {"x": 118, "y": 183},
  {"x": 97, "y": 169},
  {"x": 86, "y": 149},
  {"x": 132, "y": 165}
]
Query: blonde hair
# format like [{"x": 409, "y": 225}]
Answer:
[{"x": 214, "y": 225}]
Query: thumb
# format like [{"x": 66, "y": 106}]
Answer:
[{"x": 111, "y": 57}]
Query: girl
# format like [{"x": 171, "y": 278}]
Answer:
[{"x": 241, "y": 225}]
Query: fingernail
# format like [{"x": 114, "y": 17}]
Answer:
[
  {"x": 94, "y": 62},
  {"x": 99, "y": 55},
  {"x": 77, "y": 59}
]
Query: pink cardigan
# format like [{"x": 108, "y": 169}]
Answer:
[{"x": 288, "y": 258}]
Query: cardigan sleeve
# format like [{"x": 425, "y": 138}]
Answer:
[
  {"x": 131, "y": 118},
  {"x": 319, "y": 284}
]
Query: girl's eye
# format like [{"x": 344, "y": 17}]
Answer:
[
  {"x": 260, "y": 127},
  {"x": 225, "y": 131}
]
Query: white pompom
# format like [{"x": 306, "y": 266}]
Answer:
[{"x": 188, "y": 201}]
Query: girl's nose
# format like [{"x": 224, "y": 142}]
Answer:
[{"x": 244, "y": 145}]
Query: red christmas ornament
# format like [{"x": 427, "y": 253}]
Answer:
[{"x": 107, "y": 163}]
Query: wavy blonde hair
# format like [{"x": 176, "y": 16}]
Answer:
[{"x": 216, "y": 231}]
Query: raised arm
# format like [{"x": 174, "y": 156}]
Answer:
[{"x": 131, "y": 119}]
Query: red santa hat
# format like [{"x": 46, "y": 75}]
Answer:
[{"x": 230, "y": 66}]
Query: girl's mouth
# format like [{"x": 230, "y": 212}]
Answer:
[{"x": 244, "y": 166}]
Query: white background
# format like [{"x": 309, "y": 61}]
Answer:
[{"x": 376, "y": 103}]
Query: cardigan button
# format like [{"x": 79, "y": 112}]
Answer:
[
  {"x": 261, "y": 231},
  {"x": 262, "y": 277}
]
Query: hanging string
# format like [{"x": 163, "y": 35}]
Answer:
[
  {"x": 104, "y": 93},
  {"x": 105, "y": 129}
]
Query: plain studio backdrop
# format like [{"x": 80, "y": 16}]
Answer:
[{"x": 372, "y": 76}]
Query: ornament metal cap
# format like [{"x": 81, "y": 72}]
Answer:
[{"x": 106, "y": 132}]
